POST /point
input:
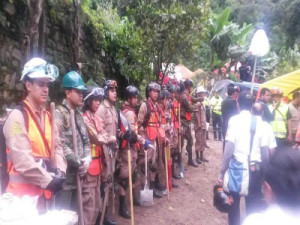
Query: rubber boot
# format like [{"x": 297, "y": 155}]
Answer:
[
  {"x": 174, "y": 185},
  {"x": 175, "y": 176},
  {"x": 198, "y": 160},
  {"x": 202, "y": 157},
  {"x": 123, "y": 211},
  {"x": 156, "y": 193},
  {"x": 191, "y": 162},
  {"x": 158, "y": 186}
]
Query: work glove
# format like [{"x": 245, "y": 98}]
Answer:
[
  {"x": 84, "y": 166},
  {"x": 112, "y": 139},
  {"x": 56, "y": 184},
  {"x": 58, "y": 173},
  {"x": 148, "y": 145},
  {"x": 130, "y": 136}
]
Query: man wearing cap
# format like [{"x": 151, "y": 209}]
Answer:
[
  {"x": 77, "y": 164},
  {"x": 28, "y": 135},
  {"x": 200, "y": 126},
  {"x": 281, "y": 118},
  {"x": 215, "y": 103}
]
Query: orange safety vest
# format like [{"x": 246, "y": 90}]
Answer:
[
  {"x": 163, "y": 120},
  {"x": 188, "y": 115},
  {"x": 174, "y": 113},
  {"x": 153, "y": 123},
  {"x": 40, "y": 142},
  {"x": 96, "y": 150},
  {"x": 124, "y": 142}
]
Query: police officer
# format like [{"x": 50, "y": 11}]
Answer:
[
  {"x": 28, "y": 135},
  {"x": 91, "y": 184},
  {"x": 215, "y": 103},
  {"x": 77, "y": 164},
  {"x": 186, "y": 117},
  {"x": 200, "y": 126},
  {"x": 109, "y": 131},
  {"x": 148, "y": 125}
]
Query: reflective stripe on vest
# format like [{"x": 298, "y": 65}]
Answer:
[
  {"x": 216, "y": 106},
  {"x": 153, "y": 123},
  {"x": 279, "y": 123},
  {"x": 96, "y": 150},
  {"x": 18, "y": 184},
  {"x": 188, "y": 115}
]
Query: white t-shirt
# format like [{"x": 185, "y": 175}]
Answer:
[
  {"x": 239, "y": 133},
  {"x": 274, "y": 215}
]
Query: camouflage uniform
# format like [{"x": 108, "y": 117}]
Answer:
[
  {"x": 67, "y": 198},
  {"x": 200, "y": 127}
]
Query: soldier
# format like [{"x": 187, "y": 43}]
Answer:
[
  {"x": 28, "y": 135},
  {"x": 148, "y": 124},
  {"x": 109, "y": 131},
  {"x": 200, "y": 126},
  {"x": 92, "y": 181},
  {"x": 77, "y": 164},
  {"x": 186, "y": 117},
  {"x": 175, "y": 154},
  {"x": 135, "y": 140}
]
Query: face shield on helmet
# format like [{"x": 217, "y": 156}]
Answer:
[
  {"x": 108, "y": 85},
  {"x": 38, "y": 68},
  {"x": 96, "y": 92},
  {"x": 153, "y": 86}
]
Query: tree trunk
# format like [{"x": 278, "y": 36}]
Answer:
[
  {"x": 76, "y": 35},
  {"x": 212, "y": 61}
]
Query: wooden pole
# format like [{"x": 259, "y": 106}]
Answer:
[
  {"x": 78, "y": 182},
  {"x": 167, "y": 175},
  {"x": 253, "y": 74},
  {"x": 130, "y": 183}
]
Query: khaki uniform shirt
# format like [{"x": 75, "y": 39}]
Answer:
[{"x": 18, "y": 143}]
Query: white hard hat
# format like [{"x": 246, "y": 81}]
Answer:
[
  {"x": 200, "y": 89},
  {"x": 39, "y": 68}
]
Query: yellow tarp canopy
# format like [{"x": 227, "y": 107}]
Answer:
[{"x": 287, "y": 83}]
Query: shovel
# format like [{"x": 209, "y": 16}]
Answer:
[{"x": 146, "y": 195}]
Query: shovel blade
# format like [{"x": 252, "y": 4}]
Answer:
[{"x": 146, "y": 197}]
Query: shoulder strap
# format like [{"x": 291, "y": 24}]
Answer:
[
  {"x": 147, "y": 117},
  {"x": 39, "y": 128},
  {"x": 20, "y": 107}
]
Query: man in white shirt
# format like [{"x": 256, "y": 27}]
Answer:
[
  {"x": 238, "y": 146},
  {"x": 281, "y": 191}
]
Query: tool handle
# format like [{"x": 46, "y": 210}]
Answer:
[
  {"x": 146, "y": 170},
  {"x": 167, "y": 175},
  {"x": 78, "y": 182},
  {"x": 179, "y": 129},
  {"x": 104, "y": 205},
  {"x": 52, "y": 112},
  {"x": 130, "y": 183}
]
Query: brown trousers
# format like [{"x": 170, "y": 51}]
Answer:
[{"x": 200, "y": 136}]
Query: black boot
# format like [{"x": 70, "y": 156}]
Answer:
[
  {"x": 158, "y": 186},
  {"x": 202, "y": 157},
  {"x": 174, "y": 185},
  {"x": 156, "y": 193},
  {"x": 207, "y": 137},
  {"x": 198, "y": 160},
  {"x": 175, "y": 176},
  {"x": 108, "y": 221},
  {"x": 191, "y": 162},
  {"x": 123, "y": 209}
]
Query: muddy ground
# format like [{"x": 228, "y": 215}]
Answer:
[{"x": 192, "y": 202}]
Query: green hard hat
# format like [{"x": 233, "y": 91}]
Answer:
[{"x": 73, "y": 80}]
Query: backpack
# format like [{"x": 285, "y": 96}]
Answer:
[{"x": 4, "y": 176}]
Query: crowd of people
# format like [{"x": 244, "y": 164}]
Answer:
[{"x": 77, "y": 153}]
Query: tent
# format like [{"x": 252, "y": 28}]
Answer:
[
  {"x": 288, "y": 83},
  {"x": 182, "y": 72}
]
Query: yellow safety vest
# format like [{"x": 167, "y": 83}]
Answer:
[
  {"x": 216, "y": 105},
  {"x": 279, "y": 123}
]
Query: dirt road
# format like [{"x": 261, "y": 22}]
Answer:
[{"x": 192, "y": 202}]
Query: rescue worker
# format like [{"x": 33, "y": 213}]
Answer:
[
  {"x": 28, "y": 135},
  {"x": 92, "y": 181},
  {"x": 129, "y": 111},
  {"x": 186, "y": 117},
  {"x": 109, "y": 132},
  {"x": 294, "y": 109},
  {"x": 148, "y": 125},
  {"x": 200, "y": 126},
  {"x": 175, "y": 154},
  {"x": 73, "y": 86},
  {"x": 265, "y": 99},
  {"x": 281, "y": 118},
  {"x": 215, "y": 103}
]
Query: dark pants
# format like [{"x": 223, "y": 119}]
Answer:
[
  {"x": 217, "y": 125},
  {"x": 187, "y": 134},
  {"x": 67, "y": 199},
  {"x": 281, "y": 143},
  {"x": 254, "y": 200}
]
